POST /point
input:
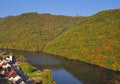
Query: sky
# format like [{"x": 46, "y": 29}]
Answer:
[{"x": 56, "y": 7}]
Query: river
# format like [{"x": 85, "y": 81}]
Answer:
[{"x": 66, "y": 71}]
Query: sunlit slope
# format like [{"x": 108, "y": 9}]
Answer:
[
  {"x": 31, "y": 31},
  {"x": 95, "y": 41}
]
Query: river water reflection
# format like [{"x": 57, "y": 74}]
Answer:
[{"x": 71, "y": 72}]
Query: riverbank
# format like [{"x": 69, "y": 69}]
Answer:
[
  {"x": 107, "y": 63},
  {"x": 32, "y": 72},
  {"x": 66, "y": 71}
]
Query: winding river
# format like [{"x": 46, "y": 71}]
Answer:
[{"x": 70, "y": 72}]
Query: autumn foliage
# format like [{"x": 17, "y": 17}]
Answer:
[{"x": 94, "y": 39}]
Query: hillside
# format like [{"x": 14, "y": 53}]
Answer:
[
  {"x": 6, "y": 19},
  {"x": 96, "y": 40},
  {"x": 31, "y": 31}
]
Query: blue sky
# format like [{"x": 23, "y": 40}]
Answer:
[{"x": 56, "y": 7}]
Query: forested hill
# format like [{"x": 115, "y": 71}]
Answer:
[
  {"x": 4, "y": 20},
  {"x": 95, "y": 41},
  {"x": 31, "y": 31}
]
